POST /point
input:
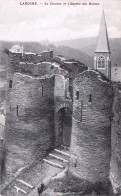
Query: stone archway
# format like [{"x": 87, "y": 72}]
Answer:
[{"x": 63, "y": 126}]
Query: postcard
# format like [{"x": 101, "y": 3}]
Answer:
[{"x": 60, "y": 97}]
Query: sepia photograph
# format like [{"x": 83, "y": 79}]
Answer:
[{"x": 60, "y": 98}]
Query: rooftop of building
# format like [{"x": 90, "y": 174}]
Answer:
[{"x": 103, "y": 43}]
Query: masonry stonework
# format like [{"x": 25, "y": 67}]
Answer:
[
  {"x": 29, "y": 120},
  {"x": 29, "y": 63},
  {"x": 52, "y": 101},
  {"x": 115, "y": 172},
  {"x": 33, "y": 96},
  {"x": 62, "y": 109},
  {"x": 91, "y": 127}
]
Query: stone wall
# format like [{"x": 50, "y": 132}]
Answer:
[
  {"x": 59, "y": 99},
  {"x": 48, "y": 68},
  {"x": 29, "y": 133},
  {"x": 60, "y": 59},
  {"x": 73, "y": 67},
  {"x": 25, "y": 63},
  {"x": 60, "y": 89},
  {"x": 1, "y": 152},
  {"x": 32, "y": 57},
  {"x": 2, "y": 127},
  {"x": 33, "y": 68},
  {"x": 115, "y": 173},
  {"x": 91, "y": 127},
  {"x": 1, "y": 158}
]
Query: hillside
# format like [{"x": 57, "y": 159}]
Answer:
[
  {"x": 71, "y": 53},
  {"x": 88, "y": 46},
  {"x": 79, "y": 49},
  {"x": 78, "y": 43}
]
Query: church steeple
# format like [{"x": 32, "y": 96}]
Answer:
[
  {"x": 103, "y": 43},
  {"x": 102, "y": 52}
]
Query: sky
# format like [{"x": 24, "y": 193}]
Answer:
[{"x": 55, "y": 23}]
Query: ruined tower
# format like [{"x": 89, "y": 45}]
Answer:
[
  {"x": 90, "y": 149},
  {"x": 102, "y": 61},
  {"x": 29, "y": 111}
]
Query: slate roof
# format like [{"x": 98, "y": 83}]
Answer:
[{"x": 103, "y": 43}]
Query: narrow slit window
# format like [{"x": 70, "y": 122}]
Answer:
[
  {"x": 70, "y": 91},
  {"x": 90, "y": 98},
  {"x": 10, "y": 107},
  {"x": 81, "y": 110},
  {"x": 10, "y": 83},
  {"x": 42, "y": 91},
  {"x": 77, "y": 95},
  {"x": 17, "y": 110}
]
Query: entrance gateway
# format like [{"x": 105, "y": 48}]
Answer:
[{"x": 64, "y": 125}]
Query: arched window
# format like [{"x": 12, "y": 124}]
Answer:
[
  {"x": 101, "y": 62},
  {"x": 10, "y": 83}
]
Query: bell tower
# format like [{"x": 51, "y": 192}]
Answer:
[{"x": 102, "y": 61}]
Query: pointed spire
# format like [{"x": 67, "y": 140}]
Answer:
[{"x": 103, "y": 44}]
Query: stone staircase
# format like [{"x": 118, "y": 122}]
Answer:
[
  {"x": 59, "y": 157},
  {"x": 22, "y": 187},
  {"x": 27, "y": 182}
]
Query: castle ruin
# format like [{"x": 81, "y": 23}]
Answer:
[{"x": 53, "y": 102}]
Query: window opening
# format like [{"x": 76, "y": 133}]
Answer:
[
  {"x": 17, "y": 110},
  {"x": 77, "y": 95},
  {"x": 10, "y": 83},
  {"x": 101, "y": 62},
  {"x": 42, "y": 91},
  {"x": 90, "y": 98}
]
